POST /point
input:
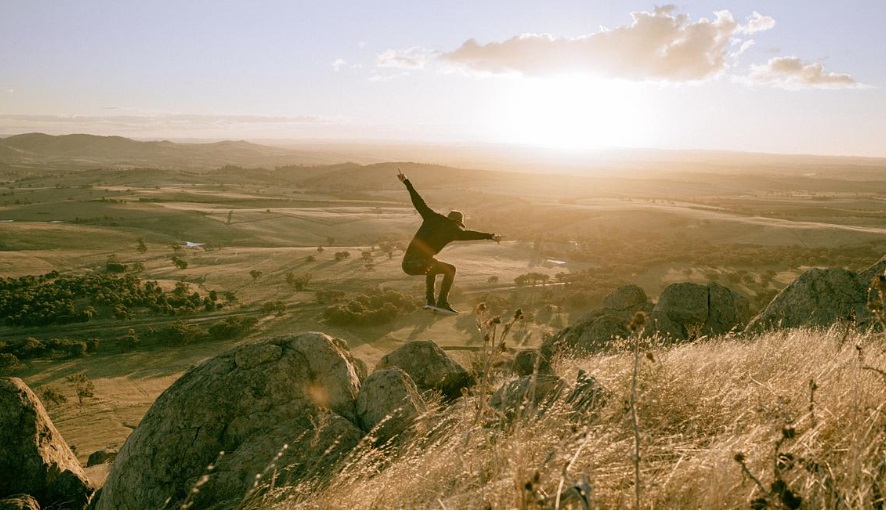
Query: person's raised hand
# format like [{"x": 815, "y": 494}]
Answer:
[{"x": 400, "y": 175}]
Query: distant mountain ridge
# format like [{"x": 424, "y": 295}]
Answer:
[{"x": 116, "y": 151}]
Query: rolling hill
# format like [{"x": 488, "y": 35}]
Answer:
[{"x": 117, "y": 152}]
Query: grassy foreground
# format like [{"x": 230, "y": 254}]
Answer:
[{"x": 783, "y": 420}]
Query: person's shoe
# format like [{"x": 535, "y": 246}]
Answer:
[{"x": 444, "y": 306}]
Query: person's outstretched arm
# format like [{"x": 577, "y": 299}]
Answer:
[
  {"x": 467, "y": 235},
  {"x": 417, "y": 201}
]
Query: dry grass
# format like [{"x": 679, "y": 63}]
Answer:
[{"x": 789, "y": 406}]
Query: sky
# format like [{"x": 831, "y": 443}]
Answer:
[{"x": 793, "y": 76}]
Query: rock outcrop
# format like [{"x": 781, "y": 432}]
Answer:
[
  {"x": 527, "y": 395},
  {"x": 388, "y": 403},
  {"x": 430, "y": 368},
  {"x": 287, "y": 403},
  {"x": 101, "y": 457},
  {"x": 592, "y": 334},
  {"x": 527, "y": 361},
  {"x": 35, "y": 461},
  {"x": 817, "y": 298},
  {"x": 626, "y": 300},
  {"x": 685, "y": 308},
  {"x": 23, "y": 502},
  {"x": 876, "y": 269}
]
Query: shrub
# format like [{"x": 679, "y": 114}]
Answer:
[
  {"x": 52, "y": 394},
  {"x": 181, "y": 333},
  {"x": 232, "y": 327},
  {"x": 8, "y": 362},
  {"x": 298, "y": 281},
  {"x": 277, "y": 307},
  {"x": 374, "y": 308},
  {"x": 329, "y": 295},
  {"x": 129, "y": 341},
  {"x": 82, "y": 385}
]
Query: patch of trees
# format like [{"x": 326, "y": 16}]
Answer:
[
  {"x": 376, "y": 307},
  {"x": 60, "y": 299},
  {"x": 181, "y": 333},
  {"x": 13, "y": 353}
]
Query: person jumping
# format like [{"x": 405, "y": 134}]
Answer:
[{"x": 436, "y": 232}]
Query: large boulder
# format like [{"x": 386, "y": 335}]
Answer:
[
  {"x": 22, "y": 502},
  {"x": 527, "y": 395},
  {"x": 727, "y": 310},
  {"x": 817, "y": 298},
  {"x": 388, "y": 403},
  {"x": 875, "y": 270},
  {"x": 685, "y": 308},
  {"x": 101, "y": 457},
  {"x": 626, "y": 300},
  {"x": 34, "y": 458},
  {"x": 592, "y": 334},
  {"x": 287, "y": 403},
  {"x": 684, "y": 303},
  {"x": 430, "y": 368},
  {"x": 528, "y": 361}
]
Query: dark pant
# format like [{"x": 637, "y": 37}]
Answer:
[{"x": 430, "y": 269}]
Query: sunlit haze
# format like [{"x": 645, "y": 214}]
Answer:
[{"x": 783, "y": 77}]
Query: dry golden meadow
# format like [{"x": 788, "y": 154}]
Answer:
[{"x": 723, "y": 423}]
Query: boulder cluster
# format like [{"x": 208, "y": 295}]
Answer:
[{"x": 686, "y": 311}]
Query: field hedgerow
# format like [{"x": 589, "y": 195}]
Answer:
[{"x": 784, "y": 419}]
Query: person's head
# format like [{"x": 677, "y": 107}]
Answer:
[{"x": 458, "y": 217}]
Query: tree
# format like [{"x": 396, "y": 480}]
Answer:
[
  {"x": 129, "y": 341},
  {"x": 298, "y": 281},
  {"x": 8, "y": 362},
  {"x": 255, "y": 274},
  {"x": 141, "y": 248},
  {"x": 179, "y": 262},
  {"x": 52, "y": 394},
  {"x": 82, "y": 385}
]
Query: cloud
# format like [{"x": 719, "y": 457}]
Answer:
[
  {"x": 338, "y": 64},
  {"x": 793, "y": 73},
  {"x": 416, "y": 57},
  {"x": 757, "y": 23},
  {"x": 658, "y": 45},
  {"x": 661, "y": 45}
]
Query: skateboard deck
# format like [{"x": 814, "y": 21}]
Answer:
[{"x": 437, "y": 310}]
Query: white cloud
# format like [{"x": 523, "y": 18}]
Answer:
[
  {"x": 793, "y": 73},
  {"x": 338, "y": 64},
  {"x": 661, "y": 45},
  {"x": 757, "y": 23},
  {"x": 658, "y": 45},
  {"x": 416, "y": 57}
]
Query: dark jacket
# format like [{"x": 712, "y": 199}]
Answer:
[{"x": 436, "y": 231}]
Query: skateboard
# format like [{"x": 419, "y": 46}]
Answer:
[{"x": 437, "y": 310}]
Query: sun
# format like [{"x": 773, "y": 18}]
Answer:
[{"x": 574, "y": 112}]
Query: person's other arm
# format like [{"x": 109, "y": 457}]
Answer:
[
  {"x": 467, "y": 235},
  {"x": 417, "y": 200}
]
